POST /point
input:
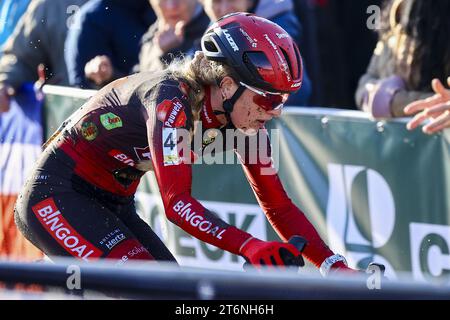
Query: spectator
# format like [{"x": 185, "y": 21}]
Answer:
[
  {"x": 345, "y": 45},
  {"x": 309, "y": 44},
  {"x": 436, "y": 109},
  {"x": 106, "y": 46},
  {"x": 10, "y": 13},
  {"x": 280, "y": 12},
  {"x": 412, "y": 50},
  {"x": 37, "y": 40},
  {"x": 177, "y": 30}
]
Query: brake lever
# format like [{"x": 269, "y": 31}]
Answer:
[{"x": 299, "y": 243}]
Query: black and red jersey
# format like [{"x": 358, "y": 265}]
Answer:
[{"x": 141, "y": 123}]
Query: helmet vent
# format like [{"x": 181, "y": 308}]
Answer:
[
  {"x": 210, "y": 46},
  {"x": 299, "y": 62},
  {"x": 250, "y": 66},
  {"x": 286, "y": 57}
]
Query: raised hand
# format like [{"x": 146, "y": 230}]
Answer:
[{"x": 436, "y": 109}]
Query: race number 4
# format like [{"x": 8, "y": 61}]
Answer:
[{"x": 170, "y": 148}]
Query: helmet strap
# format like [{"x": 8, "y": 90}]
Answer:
[{"x": 228, "y": 105}]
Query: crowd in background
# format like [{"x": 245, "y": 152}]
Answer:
[{"x": 347, "y": 63}]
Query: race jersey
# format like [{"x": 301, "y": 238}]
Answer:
[{"x": 141, "y": 123}]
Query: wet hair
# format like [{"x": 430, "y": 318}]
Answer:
[{"x": 427, "y": 25}]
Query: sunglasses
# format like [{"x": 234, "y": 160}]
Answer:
[{"x": 267, "y": 100}]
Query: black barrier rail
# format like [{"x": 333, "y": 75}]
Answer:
[{"x": 158, "y": 281}]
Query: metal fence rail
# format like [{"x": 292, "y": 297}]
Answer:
[{"x": 157, "y": 281}]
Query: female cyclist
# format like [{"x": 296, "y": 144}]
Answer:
[{"x": 80, "y": 200}]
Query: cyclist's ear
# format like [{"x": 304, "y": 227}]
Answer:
[{"x": 228, "y": 87}]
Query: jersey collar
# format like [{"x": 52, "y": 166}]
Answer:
[{"x": 209, "y": 119}]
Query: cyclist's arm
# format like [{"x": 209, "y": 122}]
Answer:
[
  {"x": 285, "y": 217},
  {"x": 174, "y": 178}
]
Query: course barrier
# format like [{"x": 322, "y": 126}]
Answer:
[{"x": 164, "y": 281}]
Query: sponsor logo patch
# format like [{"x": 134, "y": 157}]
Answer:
[
  {"x": 282, "y": 35},
  {"x": 122, "y": 157},
  {"x": 196, "y": 220},
  {"x": 112, "y": 239},
  {"x": 129, "y": 249},
  {"x": 111, "y": 121},
  {"x": 171, "y": 113},
  {"x": 89, "y": 131},
  {"x": 52, "y": 220},
  {"x": 210, "y": 137},
  {"x": 230, "y": 40},
  {"x": 281, "y": 60},
  {"x": 253, "y": 42}
]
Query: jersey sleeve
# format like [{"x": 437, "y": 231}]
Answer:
[
  {"x": 168, "y": 128},
  {"x": 284, "y": 216}
]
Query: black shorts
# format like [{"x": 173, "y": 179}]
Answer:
[{"x": 63, "y": 215}]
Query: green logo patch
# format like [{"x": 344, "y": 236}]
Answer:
[
  {"x": 89, "y": 131},
  {"x": 110, "y": 121}
]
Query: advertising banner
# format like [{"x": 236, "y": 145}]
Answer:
[{"x": 374, "y": 191}]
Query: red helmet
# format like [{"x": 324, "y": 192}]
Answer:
[{"x": 260, "y": 52}]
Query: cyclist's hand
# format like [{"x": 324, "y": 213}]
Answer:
[{"x": 261, "y": 253}]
